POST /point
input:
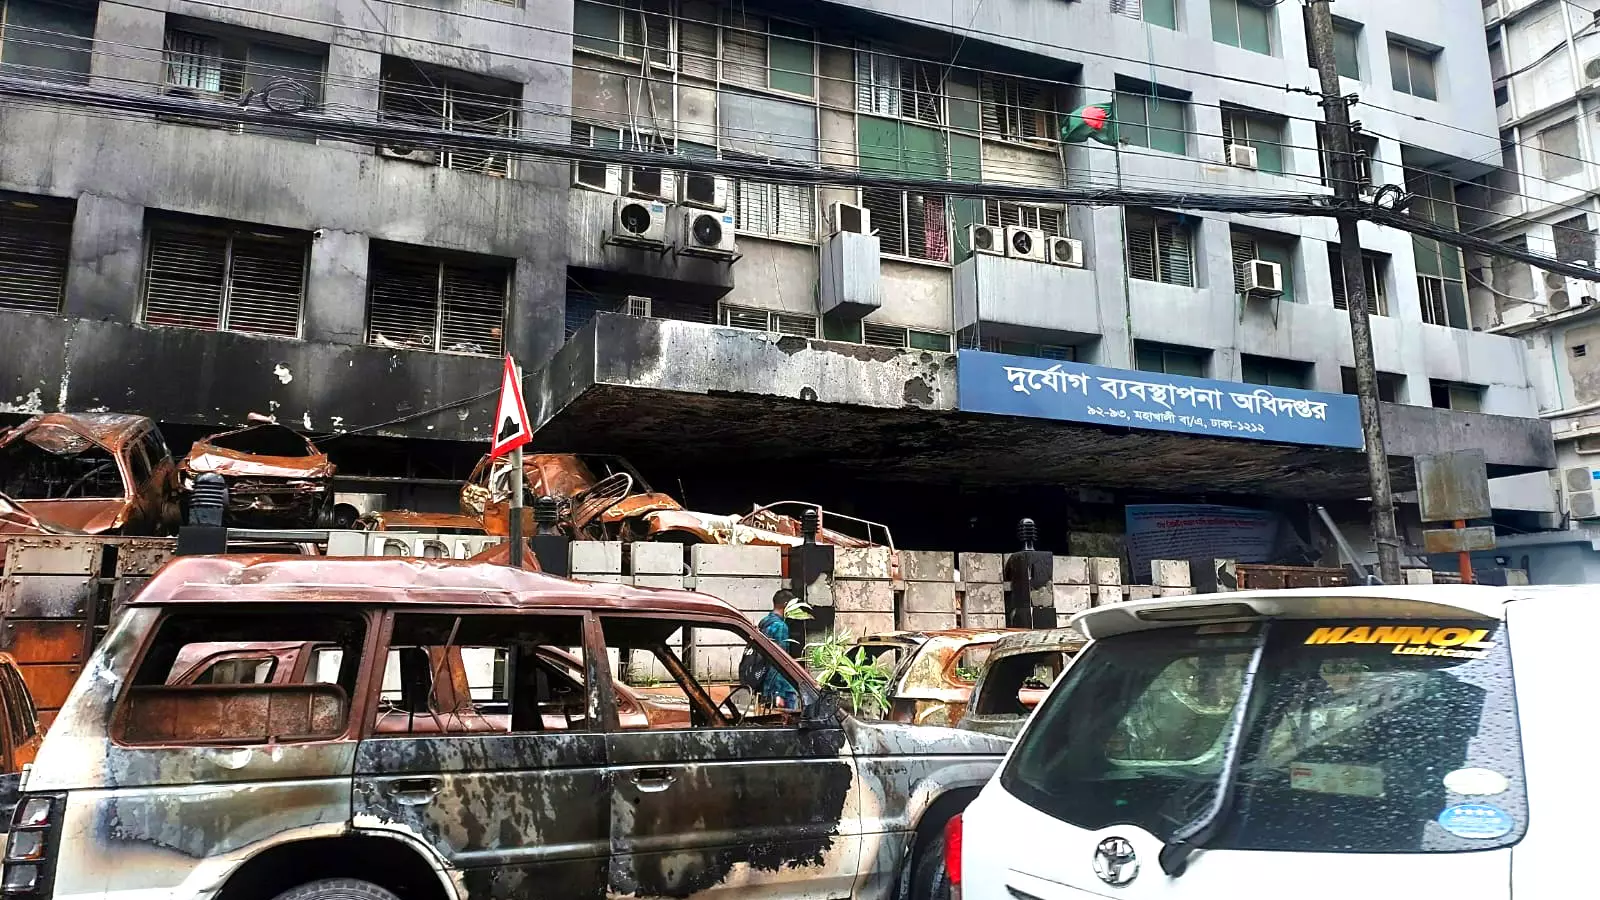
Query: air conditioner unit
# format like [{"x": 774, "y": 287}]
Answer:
[
  {"x": 986, "y": 239},
  {"x": 1025, "y": 243},
  {"x": 638, "y": 307},
  {"x": 646, "y": 182},
  {"x": 639, "y": 222},
  {"x": 1578, "y": 484},
  {"x": 597, "y": 177},
  {"x": 707, "y": 233},
  {"x": 409, "y": 154},
  {"x": 1591, "y": 70},
  {"x": 847, "y": 217},
  {"x": 1242, "y": 155},
  {"x": 1262, "y": 278},
  {"x": 701, "y": 191},
  {"x": 1065, "y": 251}
]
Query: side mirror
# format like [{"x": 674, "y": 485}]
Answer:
[{"x": 822, "y": 711}]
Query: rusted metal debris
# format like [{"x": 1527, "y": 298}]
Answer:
[
  {"x": 1017, "y": 676},
  {"x": 276, "y": 477},
  {"x": 407, "y": 520},
  {"x": 93, "y": 473},
  {"x": 933, "y": 672},
  {"x": 621, "y": 505}
]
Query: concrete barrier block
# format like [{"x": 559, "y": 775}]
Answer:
[
  {"x": 1170, "y": 573},
  {"x": 717, "y": 663},
  {"x": 861, "y": 624},
  {"x": 1174, "y": 591},
  {"x": 712, "y": 559},
  {"x": 928, "y": 621},
  {"x": 608, "y": 577},
  {"x": 1105, "y": 570},
  {"x": 981, "y": 568},
  {"x": 927, "y": 565},
  {"x": 1141, "y": 592},
  {"x": 861, "y": 562},
  {"x": 863, "y": 597},
  {"x": 984, "y": 599},
  {"x": 658, "y": 581},
  {"x": 1071, "y": 598},
  {"x": 1107, "y": 594},
  {"x": 1071, "y": 570},
  {"x": 746, "y": 594},
  {"x": 1418, "y": 576},
  {"x": 930, "y": 597},
  {"x": 600, "y": 557},
  {"x": 986, "y": 621},
  {"x": 650, "y": 558}
]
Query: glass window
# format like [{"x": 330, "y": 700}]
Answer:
[
  {"x": 1453, "y": 395},
  {"x": 1170, "y": 360},
  {"x": 1390, "y": 384},
  {"x": 1249, "y": 246},
  {"x": 699, "y": 676},
  {"x": 1346, "y": 48},
  {"x": 1286, "y": 373},
  {"x": 1345, "y": 735},
  {"x": 1160, "y": 12},
  {"x": 52, "y": 41},
  {"x": 1411, "y": 70},
  {"x": 1558, "y": 147},
  {"x": 1158, "y": 122},
  {"x": 1258, "y": 130},
  {"x": 1242, "y": 23}
]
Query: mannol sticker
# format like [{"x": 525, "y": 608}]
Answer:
[{"x": 1453, "y": 642}]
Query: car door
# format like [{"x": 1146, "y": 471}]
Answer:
[
  {"x": 741, "y": 800},
  {"x": 490, "y": 754}
]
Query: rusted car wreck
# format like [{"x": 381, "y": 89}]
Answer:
[
  {"x": 605, "y": 498},
  {"x": 276, "y": 477},
  {"x": 932, "y": 673},
  {"x": 374, "y": 767},
  {"x": 89, "y": 473}
]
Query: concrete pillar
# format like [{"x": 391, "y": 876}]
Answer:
[
  {"x": 131, "y": 38},
  {"x": 352, "y": 82},
  {"x": 107, "y": 269},
  {"x": 336, "y": 288}
]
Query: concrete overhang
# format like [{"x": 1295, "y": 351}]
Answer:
[{"x": 703, "y": 396}]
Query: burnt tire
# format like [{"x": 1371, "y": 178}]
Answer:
[
  {"x": 929, "y": 880},
  {"x": 338, "y": 889}
]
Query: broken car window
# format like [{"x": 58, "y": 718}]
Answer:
[
  {"x": 696, "y": 676},
  {"x": 476, "y": 674},
  {"x": 55, "y": 463},
  {"x": 1009, "y": 682},
  {"x": 239, "y": 704}
]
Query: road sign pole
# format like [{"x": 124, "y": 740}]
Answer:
[{"x": 515, "y": 531}]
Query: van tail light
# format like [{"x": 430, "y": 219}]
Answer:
[
  {"x": 952, "y": 854},
  {"x": 29, "y": 863}
]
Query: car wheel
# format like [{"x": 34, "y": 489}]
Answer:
[
  {"x": 338, "y": 889},
  {"x": 930, "y": 881}
]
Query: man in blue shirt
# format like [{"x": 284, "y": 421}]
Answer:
[{"x": 776, "y": 689}]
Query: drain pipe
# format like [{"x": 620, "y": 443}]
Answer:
[{"x": 1364, "y": 574}]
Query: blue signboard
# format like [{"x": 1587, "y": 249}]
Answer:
[{"x": 1045, "y": 389}]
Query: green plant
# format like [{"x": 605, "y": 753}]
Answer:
[
  {"x": 865, "y": 683},
  {"x": 797, "y": 610}
]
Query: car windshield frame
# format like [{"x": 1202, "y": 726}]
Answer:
[{"x": 1347, "y": 719}]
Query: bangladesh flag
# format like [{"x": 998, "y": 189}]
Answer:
[{"x": 1097, "y": 121}]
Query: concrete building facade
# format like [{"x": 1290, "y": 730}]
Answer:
[{"x": 196, "y": 273}]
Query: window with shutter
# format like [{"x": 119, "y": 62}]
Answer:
[
  {"x": 1016, "y": 109},
  {"x": 883, "y": 335},
  {"x": 796, "y": 209},
  {"x": 921, "y": 92},
  {"x": 1177, "y": 256},
  {"x": 194, "y": 62},
  {"x": 425, "y": 300},
  {"x": 927, "y": 228},
  {"x": 430, "y": 97},
  {"x": 1049, "y": 219},
  {"x": 1372, "y": 271},
  {"x": 645, "y": 28},
  {"x": 744, "y": 51},
  {"x": 1140, "y": 235},
  {"x": 795, "y": 324},
  {"x": 888, "y": 218},
  {"x": 217, "y": 278},
  {"x": 877, "y": 83},
  {"x": 1159, "y": 248},
  {"x": 1244, "y": 251},
  {"x": 747, "y": 318},
  {"x": 697, "y": 48},
  {"x": 35, "y": 244},
  {"x": 753, "y": 207}
]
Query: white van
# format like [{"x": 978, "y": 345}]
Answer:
[{"x": 1359, "y": 744}]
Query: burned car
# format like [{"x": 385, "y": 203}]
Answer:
[
  {"x": 531, "y": 782},
  {"x": 276, "y": 477},
  {"x": 93, "y": 473},
  {"x": 1018, "y": 674},
  {"x": 932, "y": 672},
  {"x": 604, "y": 498}
]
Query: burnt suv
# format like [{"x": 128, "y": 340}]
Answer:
[{"x": 257, "y": 727}]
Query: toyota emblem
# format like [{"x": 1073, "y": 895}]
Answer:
[{"x": 1115, "y": 862}]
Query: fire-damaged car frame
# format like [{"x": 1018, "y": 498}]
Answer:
[
  {"x": 603, "y": 497},
  {"x": 276, "y": 477},
  {"x": 356, "y": 777},
  {"x": 88, "y": 473}
]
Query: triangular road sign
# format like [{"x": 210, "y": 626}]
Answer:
[{"x": 511, "y": 428}]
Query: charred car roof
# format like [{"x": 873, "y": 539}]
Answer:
[
  {"x": 393, "y": 580},
  {"x": 110, "y": 430}
]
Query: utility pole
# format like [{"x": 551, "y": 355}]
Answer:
[{"x": 1342, "y": 168}]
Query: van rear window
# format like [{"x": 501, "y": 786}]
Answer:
[{"x": 1353, "y": 736}]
